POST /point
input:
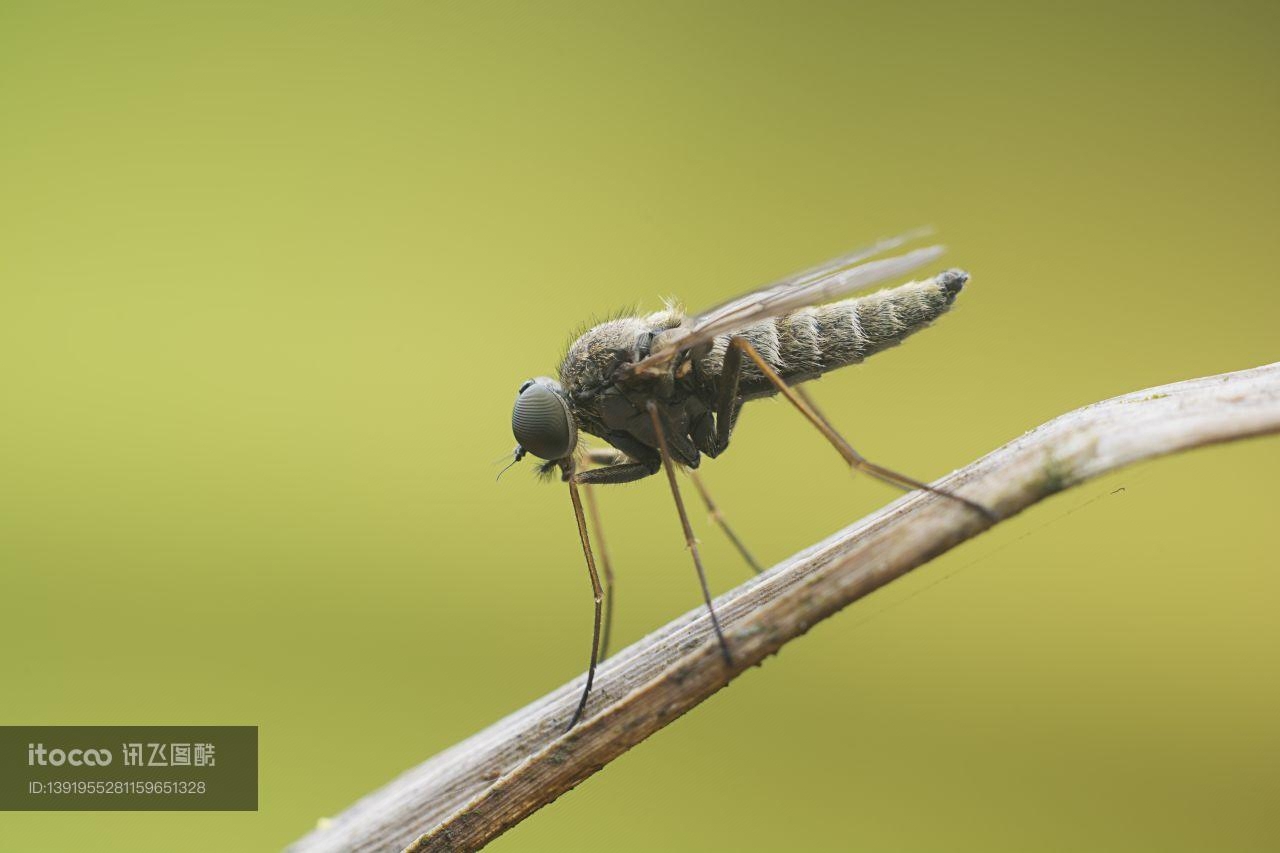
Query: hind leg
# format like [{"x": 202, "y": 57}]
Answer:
[{"x": 842, "y": 446}]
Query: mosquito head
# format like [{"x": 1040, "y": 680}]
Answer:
[{"x": 541, "y": 420}]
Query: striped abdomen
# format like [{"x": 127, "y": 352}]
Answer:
[{"x": 812, "y": 341}]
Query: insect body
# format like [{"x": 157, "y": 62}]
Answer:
[
  {"x": 666, "y": 389},
  {"x": 798, "y": 346}
]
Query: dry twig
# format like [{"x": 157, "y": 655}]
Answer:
[{"x": 469, "y": 794}]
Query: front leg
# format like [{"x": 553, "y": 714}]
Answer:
[
  {"x": 626, "y": 473},
  {"x": 617, "y": 468},
  {"x": 630, "y": 461}
]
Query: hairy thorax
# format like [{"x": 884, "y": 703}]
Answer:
[{"x": 589, "y": 367}]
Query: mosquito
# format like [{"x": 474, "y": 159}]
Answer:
[{"x": 665, "y": 389}]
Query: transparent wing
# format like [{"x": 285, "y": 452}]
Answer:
[{"x": 835, "y": 278}]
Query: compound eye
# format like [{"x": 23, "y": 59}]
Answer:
[{"x": 541, "y": 422}]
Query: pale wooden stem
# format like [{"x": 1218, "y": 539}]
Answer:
[{"x": 472, "y": 792}]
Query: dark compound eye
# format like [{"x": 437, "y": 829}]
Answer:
[{"x": 541, "y": 421}]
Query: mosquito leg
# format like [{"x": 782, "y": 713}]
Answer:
[
  {"x": 619, "y": 473},
  {"x": 838, "y": 441},
  {"x": 593, "y": 512},
  {"x": 727, "y": 397},
  {"x": 809, "y": 401},
  {"x": 720, "y": 520},
  {"x": 726, "y": 412},
  {"x": 596, "y": 591},
  {"x": 689, "y": 539},
  {"x": 884, "y": 474},
  {"x": 616, "y": 467},
  {"x": 626, "y": 473}
]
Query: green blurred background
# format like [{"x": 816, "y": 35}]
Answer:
[{"x": 271, "y": 276}]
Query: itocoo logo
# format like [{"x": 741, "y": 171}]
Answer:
[{"x": 37, "y": 754}]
